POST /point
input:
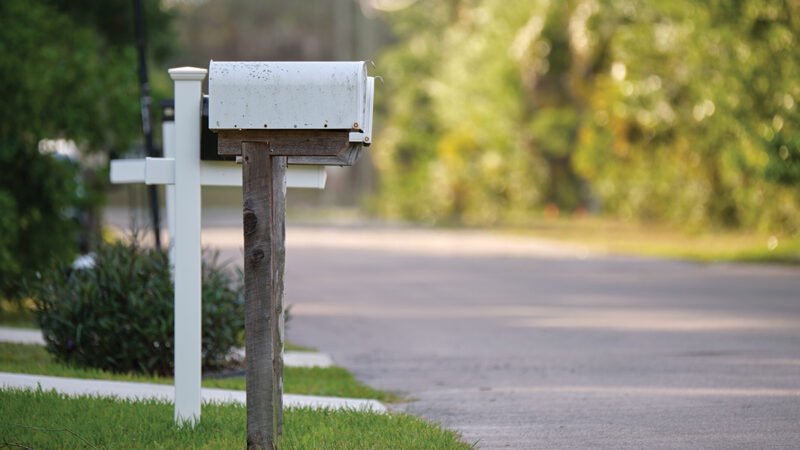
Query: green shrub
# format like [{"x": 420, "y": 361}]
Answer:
[
  {"x": 118, "y": 315},
  {"x": 38, "y": 195}
]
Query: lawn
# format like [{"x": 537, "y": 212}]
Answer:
[
  {"x": 329, "y": 381},
  {"x": 43, "y": 420},
  {"x": 620, "y": 237}
]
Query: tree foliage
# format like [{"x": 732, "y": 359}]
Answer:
[
  {"x": 667, "y": 110},
  {"x": 278, "y": 30},
  {"x": 66, "y": 73}
]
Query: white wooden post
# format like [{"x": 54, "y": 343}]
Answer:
[{"x": 188, "y": 338}]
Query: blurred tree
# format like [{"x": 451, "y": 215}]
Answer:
[
  {"x": 113, "y": 21},
  {"x": 665, "y": 110},
  {"x": 694, "y": 116},
  {"x": 286, "y": 30},
  {"x": 67, "y": 72},
  {"x": 472, "y": 115},
  {"x": 276, "y": 30},
  {"x": 409, "y": 153}
]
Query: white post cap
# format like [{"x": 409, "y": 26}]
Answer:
[{"x": 188, "y": 73}]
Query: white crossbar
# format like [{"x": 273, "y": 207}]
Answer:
[{"x": 162, "y": 171}]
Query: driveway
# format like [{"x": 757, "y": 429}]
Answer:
[{"x": 522, "y": 344}]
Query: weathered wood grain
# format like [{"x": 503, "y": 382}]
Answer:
[
  {"x": 265, "y": 156},
  {"x": 278, "y": 231},
  {"x": 286, "y": 142},
  {"x": 347, "y": 157},
  {"x": 258, "y": 277}
]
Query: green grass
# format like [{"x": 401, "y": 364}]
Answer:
[
  {"x": 619, "y": 237},
  {"x": 291, "y": 347},
  {"x": 329, "y": 381},
  {"x": 47, "y": 420}
]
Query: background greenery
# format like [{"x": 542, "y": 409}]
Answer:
[
  {"x": 68, "y": 71},
  {"x": 491, "y": 112},
  {"x": 662, "y": 110}
]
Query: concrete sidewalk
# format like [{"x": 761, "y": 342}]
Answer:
[
  {"x": 21, "y": 336},
  {"x": 290, "y": 359},
  {"x": 137, "y": 391}
]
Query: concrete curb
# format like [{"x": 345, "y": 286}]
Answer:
[
  {"x": 138, "y": 391},
  {"x": 297, "y": 359},
  {"x": 307, "y": 359}
]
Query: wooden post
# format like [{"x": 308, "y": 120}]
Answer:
[
  {"x": 264, "y": 181},
  {"x": 265, "y": 156}
]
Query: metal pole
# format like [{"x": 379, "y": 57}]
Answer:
[
  {"x": 188, "y": 339},
  {"x": 144, "y": 103}
]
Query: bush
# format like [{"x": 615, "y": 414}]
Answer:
[
  {"x": 37, "y": 195},
  {"x": 118, "y": 315}
]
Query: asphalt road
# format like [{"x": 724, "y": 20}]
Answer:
[
  {"x": 519, "y": 343},
  {"x": 545, "y": 350}
]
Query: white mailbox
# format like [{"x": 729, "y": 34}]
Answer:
[{"x": 291, "y": 96}]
